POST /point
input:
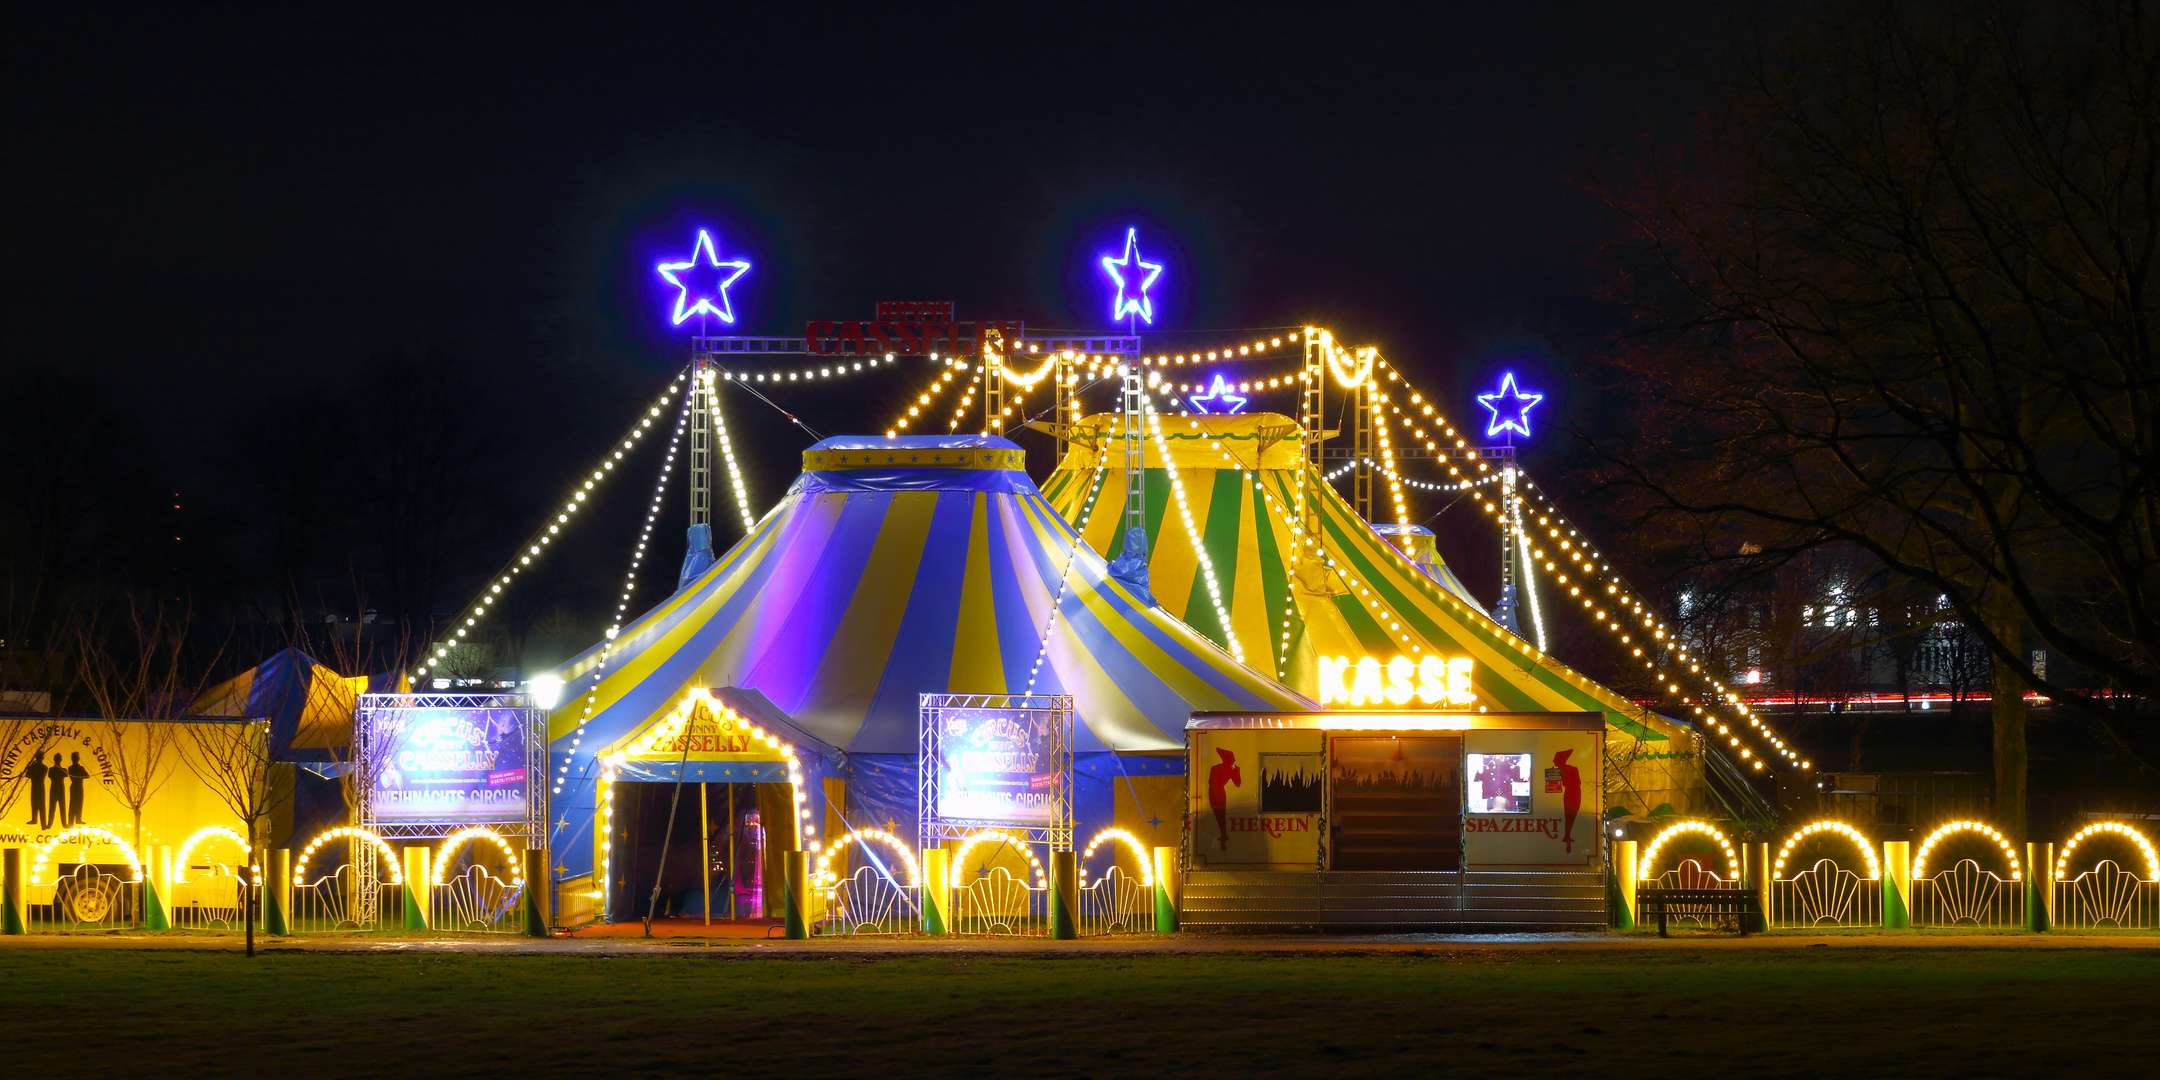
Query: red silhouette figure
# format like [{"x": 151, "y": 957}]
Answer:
[
  {"x": 1220, "y": 778},
  {"x": 1570, "y": 794}
]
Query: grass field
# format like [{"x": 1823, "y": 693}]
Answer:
[{"x": 1874, "y": 1011}]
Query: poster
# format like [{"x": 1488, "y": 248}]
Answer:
[
  {"x": 449, "y": 765},
  {"x": 1533, "y": 798},
  {"x": 1257, "y": 799},
  {"x": 61, "y": 773},
  {"x": 999, "y": 766}
]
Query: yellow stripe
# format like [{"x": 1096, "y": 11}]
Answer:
[
  {"x": 848, "y": 676},
  {"x": 977, "y": 662},
  {"x": 634, "y": 659}
]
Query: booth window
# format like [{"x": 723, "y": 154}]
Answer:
[{"x": 1499, "y": 783}]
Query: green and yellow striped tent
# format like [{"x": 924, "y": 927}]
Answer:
[{"x": 1240, "y": 476}]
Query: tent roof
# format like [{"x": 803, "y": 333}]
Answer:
[
  {"x": 1240, "y": 474},
  {"x": 896, "y": 567},
  {"x": 309, "y": 706}
]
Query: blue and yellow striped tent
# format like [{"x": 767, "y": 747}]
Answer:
[
  {"x": 309, "y": 706},
  {"x": 901, "y": 566}
]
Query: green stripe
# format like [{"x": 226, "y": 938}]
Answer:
[
  {"x": 1357, "y": 552},
  {"x": 1156, "y": 493},
  {"x": 1218, "y": 538},
  {"x": 1274, "y": 582}
]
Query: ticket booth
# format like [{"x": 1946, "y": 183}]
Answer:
[{"x": 1363, "y": 820}]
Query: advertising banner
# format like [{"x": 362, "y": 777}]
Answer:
[
  {"x": 448, "y": 765},
  {"x": 1532, "y": 798},
  {"x": 59, "y": 774},
  {"x": 999, "y": 765},
  {"x": 1257, "y": 798}
]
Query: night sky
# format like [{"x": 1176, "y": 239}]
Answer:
[{"x": 210, "y": 206}]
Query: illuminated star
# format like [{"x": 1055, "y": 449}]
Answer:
[
  {"x": 708, "y": 281},
  {"x": 1218, "y": 392},
  {"x": 1136, "y": 302},
  {"x": 1510, "y": 408}
]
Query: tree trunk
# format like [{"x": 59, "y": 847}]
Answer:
[{"x": 2008, "y": 712}]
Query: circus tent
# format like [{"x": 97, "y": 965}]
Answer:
[
  {"x": 895, "y": 567},
  {"x": 1237, "y": 476}
]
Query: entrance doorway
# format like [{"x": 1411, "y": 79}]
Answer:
[
  {"x": 1397, "y": 803},
  {"x": 718, "y": 854}
]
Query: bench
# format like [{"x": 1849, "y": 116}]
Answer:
[{"x": 1741, "y": 902}]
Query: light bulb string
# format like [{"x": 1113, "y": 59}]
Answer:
[
  {"x": 542, "y": 538},
  {"x": 614, "y": 631}
]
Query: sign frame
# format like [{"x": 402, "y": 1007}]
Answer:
[
  {"x": 935, "y": 827},
  {"x": 378, "y": 717}
]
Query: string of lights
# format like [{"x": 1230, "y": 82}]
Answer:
[
  {"x": 1251, "y": 477},
  {"x": 805, "y": 374},
  {"x": 1568, "y": 545},
  {"x": 543, "y": 537},
  {"x": 1387, "y": 459},
  {"x": 967, "y": 398},
  {"x": 1192, "y": 530},
  {"x": 622, "y": 604},
  {"x": 1087, "y": 513},
  {"x": 727, "y": 452},
  {"x": 1255, "y": 348},
  {"x": 921, "y": 405}
]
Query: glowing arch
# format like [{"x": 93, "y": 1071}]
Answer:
[
  {"x": 1649, "y": 857},
  {"x": 187, "y": 847},
  {"x": 105, "y": 836},
  {"x": 862, "y": 837},
  {"x": 1919, "y": 864},
  {"x": 390, "y": 859},
  {"x": 474, "y": 832},
  {"x": 1867, "y": 850},
  {"x": 2152, "y": 861},
  {"x": 1120, "y": 836},
  {"x": 667, "y": 728},
  {"x": 960, "y": 856}
]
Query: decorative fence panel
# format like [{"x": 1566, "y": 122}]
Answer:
[
  {"x": 85, "y": 897},
  {"x": 210, "y": 898},
  {"x": 474, "y": 900},
  {"x": 1825, "y": 894},
  {"x": 870, "y": 901},
  {"x": 1000, "y": 904},
  {"x": 337, "y": 903},
  {"x": 2107, "y": 897},
  {"x": 1966, "y": 895},
  {"x": 1691, "y": 875},
  {"x": 1116, "y": 903}
]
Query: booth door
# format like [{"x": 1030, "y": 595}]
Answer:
[{"x": 1396, "y": 803}]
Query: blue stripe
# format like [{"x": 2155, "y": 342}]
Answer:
[
  {"x": 796, "y": 649},
  {"x": 922, "y": 651}
]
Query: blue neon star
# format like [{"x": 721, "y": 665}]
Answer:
[
  {"x": 710, "y": 288},
  {"x": 1510, "y": 408},
  {"x": 1218, "y": 392},
  {"x": 1146, "y": 272}
]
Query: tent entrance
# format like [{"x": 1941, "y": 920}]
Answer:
[{"x": 720, "y": 854}]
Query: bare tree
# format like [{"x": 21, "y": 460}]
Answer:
[
  {"x": 133, "y": 671},
  {"x": 1900, "y": 296},
  {"x": 233, "y": 759}
]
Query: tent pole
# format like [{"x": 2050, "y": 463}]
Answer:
[
  {"x": 674, "y": 802},
  {"x": 731, "y": 852}
]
